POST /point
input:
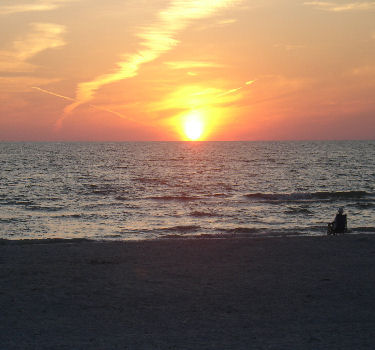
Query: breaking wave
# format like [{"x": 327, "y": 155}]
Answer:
[
  {"x": 307, "y": 196},
  {"x": 181, "y": 198},
  {"x": 182, "y": 228}
]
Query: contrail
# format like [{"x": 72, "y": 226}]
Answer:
[
  {"x": 118, "y": 114},
  {"x": 53, "y": 93},
  {"x": 231, "y": 91}
]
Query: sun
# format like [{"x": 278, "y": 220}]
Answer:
[{"x": 193, "y": 127}]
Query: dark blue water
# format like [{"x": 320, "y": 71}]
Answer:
[{"x": 143, "y": 190}]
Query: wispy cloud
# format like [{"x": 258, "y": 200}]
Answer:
[
  {"x": 289, "y": 47},
  {"x": 157, "y": 39},
  {"x": 189, "y": 97},
  {"x": 227, "y": 21},
  {"x": 363, "y": 71},
  {"x": 340, "y": 7},
  {"x": 42, "y": 36},
  {"x": 234, "y": 90},
  {"x": 32, "y": 6},
  {"x": 193, "y": 64},
  {"x": 230, "y": 91}
]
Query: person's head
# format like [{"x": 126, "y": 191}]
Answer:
[{"x": 341, "y": 210}]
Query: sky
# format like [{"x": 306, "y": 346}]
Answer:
[{"x": 150, "y": 70}]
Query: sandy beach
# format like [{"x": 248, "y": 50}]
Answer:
[{"x": 260, "y": 293}]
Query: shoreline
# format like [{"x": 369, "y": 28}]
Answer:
[
  {"x": 58, "y": 240},
  {"x": 310, "y": 292}
]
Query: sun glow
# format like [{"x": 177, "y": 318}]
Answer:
[{"x": 193, "y": 127}]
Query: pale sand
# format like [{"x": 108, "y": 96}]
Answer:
[{"x": 275, "y": 293}]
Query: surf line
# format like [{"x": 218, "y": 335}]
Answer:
[{"x": 118, "y": 114}]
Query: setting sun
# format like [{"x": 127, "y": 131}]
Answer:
[{"x": 193, "y": 127}]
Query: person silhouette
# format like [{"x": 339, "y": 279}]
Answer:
[{"x": 339, "y": 225}]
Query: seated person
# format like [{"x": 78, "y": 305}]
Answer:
[{"x": 339, "y": 225}]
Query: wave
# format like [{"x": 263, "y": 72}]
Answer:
[
  {"x": 113, "y": 236},
  {"x": 149, "y": 180},
  {"x": 17, "y": 202},
  {"x": 175, "y": 198},
  {"x": 242, "y": 230},
  {"x": 237, "y": 232},
  {"x": 182, "y": 228},
  {"x": 365, "y": 205},
  {"x": 13, "y": 220},
  {"x": 4, "y": 241},
  {"x": 101, "y": 189},
  {"x": 363, "y": 229},
  {"x": 104, "y": 192},
  {"x": 43, "y": 208},
  {"x": 200, "y": 214},
  {"x": 124, "y": 198},
  {"x": 306, "y": 196},
  {"x": 69, "y": 216},
  {"x": 298, "y": 210}
]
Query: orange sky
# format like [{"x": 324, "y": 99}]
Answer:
[{"x": 93, "y": 70}]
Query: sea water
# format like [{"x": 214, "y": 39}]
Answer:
[{"x": 147, "y": 190}]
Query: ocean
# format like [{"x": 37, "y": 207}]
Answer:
[{"x": 148, "y": 190}]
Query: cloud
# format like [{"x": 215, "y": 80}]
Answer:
[
  {"x": 52, "y": 93},
  {"x": 289, "y": 47},
  {"x": 363, "y": 71},
  {"x": 230, "y": 91},
  {"x": 34, "y": 6},
  {"x": 156, "y": 39},
  {"x": 339, "y": 7},
  {"x": 58, "y": 123},
  {"x": 189, "y": 97},
  {"x": 10, "y": 67},
  {"x": 217, "y": 24},
  {"x": 227, "y": 21},
  {"x": 42, "y": 36},
  {"x": 193, "y": 64},
  {"x": 234, "y": 90}
]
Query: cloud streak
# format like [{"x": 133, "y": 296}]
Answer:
[
  {"x": 156, "y": 39},
  {"x": 340, "y": 7},
  {"x": 42, "y": 36},
  {"x": 58, "y": 123},
  {"x": 234, "y": 90},
  {"x": 193, "y": 64},
  {"x": 35, "y": 6},
  {"x": 189, "y": 97}
]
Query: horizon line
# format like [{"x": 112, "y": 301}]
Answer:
[{"x": 181, "y": 141}]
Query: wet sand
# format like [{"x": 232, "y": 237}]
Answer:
[{"x": 263, "y": 293}]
